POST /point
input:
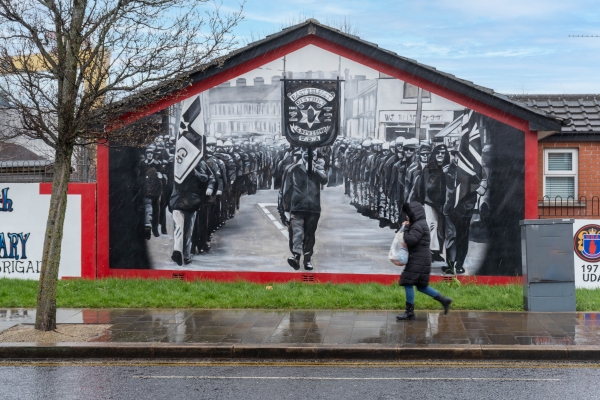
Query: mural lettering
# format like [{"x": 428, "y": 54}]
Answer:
[
  {"x": 589, "y": 273},
  {"x": 427, "y": 117},
  {"x": 20, "y": 267},
  {"x": 9, "y": 245},
  {"x": 5, "y": 202}
]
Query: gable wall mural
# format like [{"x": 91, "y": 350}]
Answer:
[{"x": 221, "y": 189}]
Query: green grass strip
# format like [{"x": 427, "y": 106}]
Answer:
[{"x": 168, "y": 293}]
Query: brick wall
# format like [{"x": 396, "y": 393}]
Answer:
[{"x": 588, "y": 180}]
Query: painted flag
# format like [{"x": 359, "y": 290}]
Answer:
[
  {"x": 189, "y": 145},
  {"x": 469, "y": 155}
]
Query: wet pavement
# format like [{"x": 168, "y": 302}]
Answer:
[{"x": 328, "y": 327}]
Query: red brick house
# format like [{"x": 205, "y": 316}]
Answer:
[{"x": 569, "y": 161}]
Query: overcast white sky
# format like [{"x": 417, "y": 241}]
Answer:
[{"x": 511, "y": 46}]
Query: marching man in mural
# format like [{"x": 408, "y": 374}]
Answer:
[
  {"x": 301, "y": 204},
  {"x": 430, "y": 190},
  {"x": 152, "y": 190},
  {"x": 194, "y": 181},
  {"x": 466, "y": 181},
  {"x": 311, "y": 120}
]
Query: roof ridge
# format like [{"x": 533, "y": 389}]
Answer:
[{"x": 557, "y": 96}]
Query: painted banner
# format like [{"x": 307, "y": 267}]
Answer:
[
  {"x": 189, "y": 144},
  {"x": 23, "y": 216},
  {"x": 311, "y": 111},
  {"x": 586, "y": 249}
]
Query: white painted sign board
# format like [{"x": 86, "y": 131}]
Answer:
[
  {"x": 23, "y": 216},
  {"x": 586, "y": 250}
]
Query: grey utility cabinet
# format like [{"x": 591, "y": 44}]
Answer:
[{"x": 548, "y": 265}]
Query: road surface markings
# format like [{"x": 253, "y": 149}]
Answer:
[
  {"x": 278, "y": 225},
  {"x": 303, "y": 364},
  {"x": 315, "y": 378}
]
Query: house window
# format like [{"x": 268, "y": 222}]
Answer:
[
  {"x": 560, "y": 173},
  {"x": 412, "y": 92}
]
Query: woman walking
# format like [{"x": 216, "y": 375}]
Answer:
[{"x": 418, "y": 268}]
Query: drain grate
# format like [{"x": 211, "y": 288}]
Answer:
[
  {"x": 308, "y": 278},
  {"x": 448, "y": 278},
  {"x": 178, "y": 276}
]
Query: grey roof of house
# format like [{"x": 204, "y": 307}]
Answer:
[
  {"x": 581, "y": 112},
  {"x": 26, "y": 163},
  {"x": 13, "y": 152}
]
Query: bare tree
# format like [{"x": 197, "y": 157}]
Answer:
[
  {"x": 70, "y": 68},
  {"x": 343, "y": 24}
]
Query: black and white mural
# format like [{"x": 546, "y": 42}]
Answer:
[{"x": 221, "y": 187}]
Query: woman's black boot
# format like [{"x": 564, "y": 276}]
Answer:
[
  {"x": 409, "y": 314},
  {"x": 445, "y": 301}
]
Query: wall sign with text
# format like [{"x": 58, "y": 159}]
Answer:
[
  {"x": 586, "y": 246},
  {"x": 23, "y": 216}
]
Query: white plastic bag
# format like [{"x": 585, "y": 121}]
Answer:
[{"x": 399, "y": 251}]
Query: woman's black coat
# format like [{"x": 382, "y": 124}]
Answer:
[{"x": 416, "y": 236}]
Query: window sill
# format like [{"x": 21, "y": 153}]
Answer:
[
  {"x": 552, "y": 203},
  {"x": 414, "y": 100}
]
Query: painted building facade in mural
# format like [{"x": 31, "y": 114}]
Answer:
[{"x": 207, "y": 193}]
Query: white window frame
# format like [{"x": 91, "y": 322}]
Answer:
[{"x": 574, "y": 172}]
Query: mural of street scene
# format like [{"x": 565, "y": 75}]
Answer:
[{"x": 221, "y": 189}]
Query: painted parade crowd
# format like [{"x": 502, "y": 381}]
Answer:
[
  {"x": 451, "y": 183},
  {"x": 208, "y": 197},
  {"x": 379, "y": 177}
]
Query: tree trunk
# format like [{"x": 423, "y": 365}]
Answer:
[{"x": 45, "y": 319}]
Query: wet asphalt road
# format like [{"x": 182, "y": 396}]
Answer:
[{"x": 279, "y": 380}]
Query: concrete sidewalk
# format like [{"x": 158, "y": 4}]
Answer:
[{"x": 320, "y": 334}]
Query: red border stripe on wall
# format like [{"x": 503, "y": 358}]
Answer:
[
  {"x": 282, "y": 277},
  {"x": 87, "y": 191}
]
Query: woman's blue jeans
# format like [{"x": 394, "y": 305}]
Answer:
[{"x": 410, "y": 292}]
